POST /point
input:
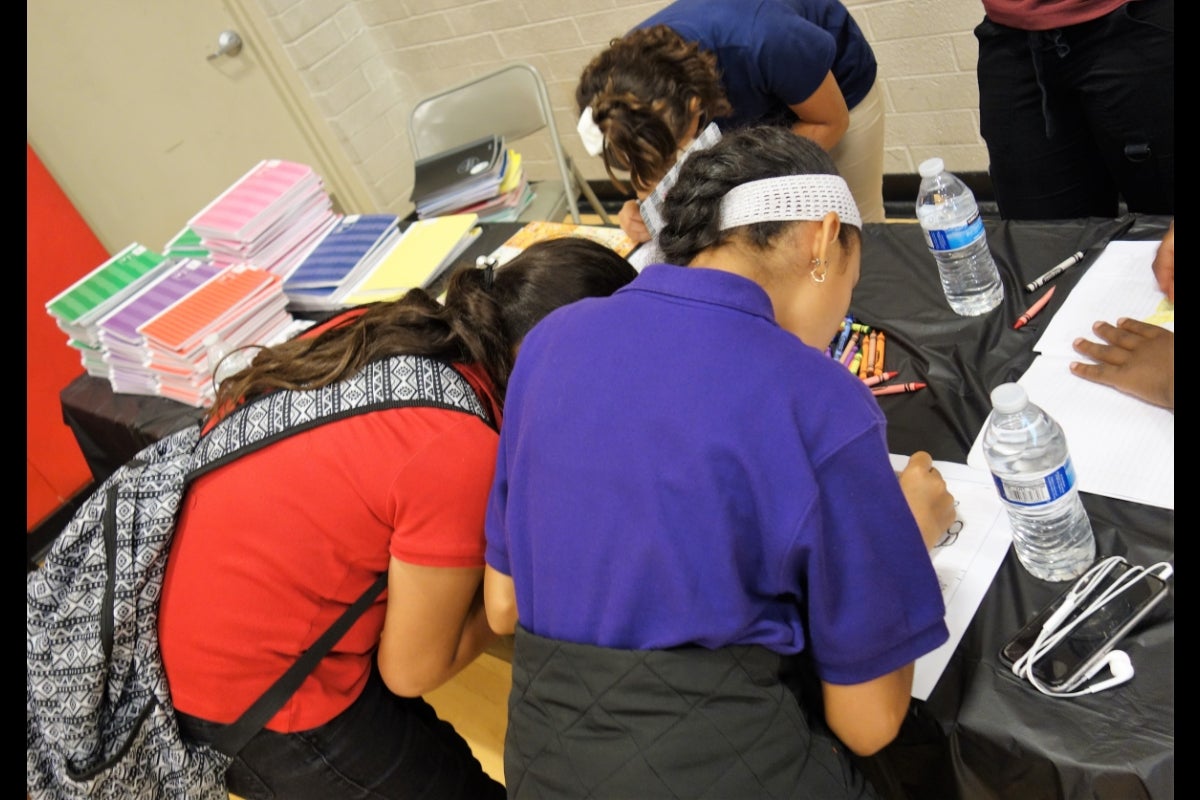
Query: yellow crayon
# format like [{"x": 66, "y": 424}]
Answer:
[{"x": 854, "y": 362}]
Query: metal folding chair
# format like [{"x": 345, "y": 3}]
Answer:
[{"x": 512, "y": 102}]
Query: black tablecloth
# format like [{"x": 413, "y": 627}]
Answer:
[{"x": 982, "y": 734}]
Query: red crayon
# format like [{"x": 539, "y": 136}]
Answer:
[
  {"x": 880, "y": 377},
  {"x": 899, "y": 388},
  {"x": 1034, "y": 309}
]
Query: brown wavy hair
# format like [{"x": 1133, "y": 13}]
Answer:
[
  {"x": 640, "y": 91},
  {"x": 485, "y": 316}
]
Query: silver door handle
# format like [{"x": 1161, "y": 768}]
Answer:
[{"x": 228, "y": 44}]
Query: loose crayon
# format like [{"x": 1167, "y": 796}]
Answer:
[
  {"x": 878, "y": 368},
  {"x": 880, "y": 377},
  {"x": 1033, "y": 310},
  {"x": 855, "y": 361},
  {"x": 899, "y": 388},
  {"x": 851, "y": 349},
  {"x": 843, "y": 337},
  {"x": 871, "y": 344}
]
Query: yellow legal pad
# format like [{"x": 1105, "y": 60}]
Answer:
[{"x": 425, "y": 249}]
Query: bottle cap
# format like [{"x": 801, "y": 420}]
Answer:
[
  {"x": 1009, "y": 397},
  {"x": 931, "y": 167}
]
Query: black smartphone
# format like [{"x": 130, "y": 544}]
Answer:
[{"x": 1066, "y": 664}]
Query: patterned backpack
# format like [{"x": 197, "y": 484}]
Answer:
[{"x": 99, "y": 719}]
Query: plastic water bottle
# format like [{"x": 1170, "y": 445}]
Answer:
[
  {"x": 954, "y": 234},
  {"x": 1026, "y": 452}
]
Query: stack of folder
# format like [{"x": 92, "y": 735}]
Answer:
[
  {"x": 125, "y": 350},
  {"x": 80, "y": 307},
  {"x": 187, "y": 244},
  {"x": 515, "y": 195},
  {"x": 340, "y": 260},
  {"x": 481, "y": 177},
  {"x": 270, "y": 218},
  {"x": 423, "y": 252},
  {"x": 243, "y": 305}
]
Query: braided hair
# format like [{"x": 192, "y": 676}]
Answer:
[{"x": 692, "y": 208}]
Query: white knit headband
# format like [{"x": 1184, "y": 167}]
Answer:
[{"x": 789, "y": 197}]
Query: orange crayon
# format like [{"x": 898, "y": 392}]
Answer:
[
  {"x": 1034, "y": 309},
  {"x": 869, "y": 359},
  {"x": 877, "y": 369}
]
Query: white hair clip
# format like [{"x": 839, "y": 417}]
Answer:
[
  {"x": 789, "y": 197},
  {"x": 589, "y": 131}
]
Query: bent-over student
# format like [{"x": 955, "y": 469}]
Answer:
[
  {"x": 804, "y": 65},
  {"x": 272, "y": 547},
  {"x": 689, "y": 491}
]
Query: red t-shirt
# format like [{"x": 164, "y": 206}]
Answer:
[{"x": 271, "y": 548}]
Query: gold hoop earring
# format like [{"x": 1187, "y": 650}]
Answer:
[{"x": 818, "y": 264}]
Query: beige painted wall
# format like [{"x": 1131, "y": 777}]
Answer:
[
  {"x": 364, "y": 63},
  {"x": 367, "y": 61}
]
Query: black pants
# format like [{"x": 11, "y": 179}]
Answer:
[
  {"x": 382, "y": 746},
  {"x": 1077, "y": 119}
]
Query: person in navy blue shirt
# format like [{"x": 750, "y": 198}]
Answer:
[
  {"x": 802, "y": 64},
  {"x": 689, "y": 491}
]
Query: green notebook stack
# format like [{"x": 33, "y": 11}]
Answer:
[{"x": 80, "y": 307}]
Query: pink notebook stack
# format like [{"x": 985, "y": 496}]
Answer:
[
  {"x": 242, "y": 305},
  {"x": 270, "y": 218}
]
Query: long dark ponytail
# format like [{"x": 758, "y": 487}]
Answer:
[{"x": 485, "y": 316}]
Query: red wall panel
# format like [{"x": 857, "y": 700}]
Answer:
[{"x": 60, "y": 249}]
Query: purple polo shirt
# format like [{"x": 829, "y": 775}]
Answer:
[{"x": 675, "y": 468}]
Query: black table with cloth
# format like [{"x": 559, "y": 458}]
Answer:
[{"x": 982, "y": 733}]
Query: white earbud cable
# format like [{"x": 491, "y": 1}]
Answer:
[{"x": 1054, "y": 631}]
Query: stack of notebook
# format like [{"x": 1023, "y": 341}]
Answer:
[
  {"x": 125, "y": 350},
  {"x": 77, "y": 309},
  {"x": 423, "y": 252},
  {"x": 515, "y": 195},
  {"x": 479, "y": 178},
  {"x": 241, "y": 304},
  {"x": 270, "y": 218},
  {"x": 341, "y": 259}
]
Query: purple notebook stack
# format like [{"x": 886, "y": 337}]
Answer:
[{"x": 124, "y": 349}]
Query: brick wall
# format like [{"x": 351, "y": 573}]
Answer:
[{"x": 366, "y": 62}]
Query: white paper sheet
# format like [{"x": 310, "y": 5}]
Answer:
[
  {"x": 1120, "y": 283},
  {"x": 966, "y": 566},
  {"x": 1121, "y": 446}
]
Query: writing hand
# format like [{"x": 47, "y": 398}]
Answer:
[
  {"x": 1164, "y": 263},
  {"x": 925, "y": 490},
  {"x": 630, "y": 219},
  {"x": 1138, "y": 359}
]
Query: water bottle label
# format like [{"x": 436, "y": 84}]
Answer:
[
  {"x": 1039, "y": 491},
  {"x": 955, "y": 238}
]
